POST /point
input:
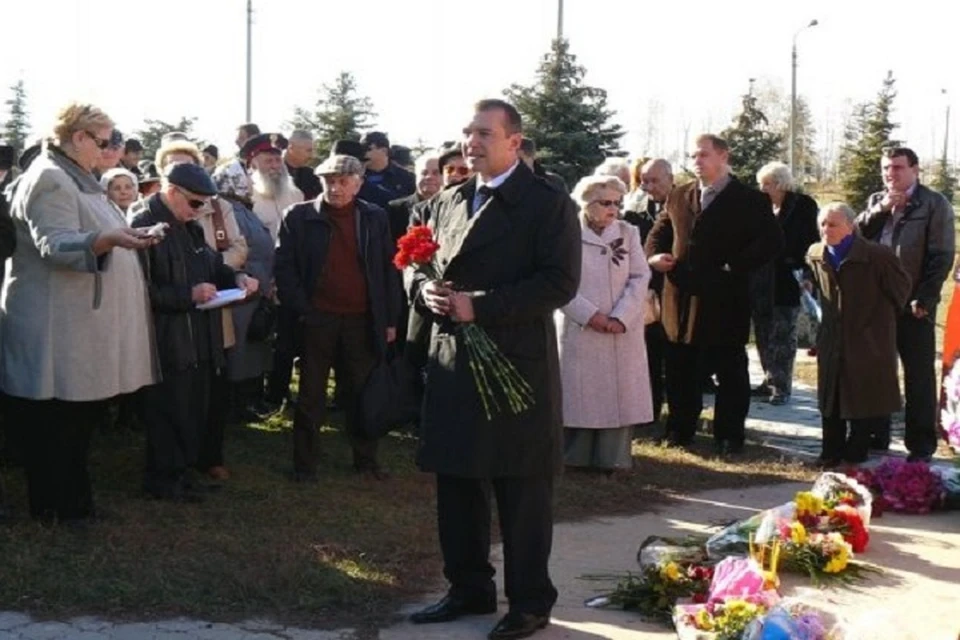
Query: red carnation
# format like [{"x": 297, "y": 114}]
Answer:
[{"x": 415, "y": 248}]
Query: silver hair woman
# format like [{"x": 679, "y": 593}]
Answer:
[
  {"x": 775, "y": 290},
  {"x": 603, "y": 359}
]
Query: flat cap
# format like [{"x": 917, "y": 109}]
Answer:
[
  {"x": 263, "y": 143},
  {"x": 191, "y": 177},
  {"x": 340, "y": 165}
]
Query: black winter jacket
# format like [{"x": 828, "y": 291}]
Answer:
[{"x": 185, "y": 336}]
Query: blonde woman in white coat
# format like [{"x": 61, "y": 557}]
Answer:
[{"x": 603, "y": 355}]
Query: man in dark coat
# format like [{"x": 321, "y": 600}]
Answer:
[
  {"x": 334, "y": 272},
  {"x": 710, "y": 236},
  {"x": 182, "y": 272},
  {"x": 510, "y": 257},
  {"x": 918, "y": 224},
  {"x": 528, "y": 153},
  {"x": 298, "y": 155},
  {"x": 384, "y": 179},
  {"x": 427, "y": 170}
]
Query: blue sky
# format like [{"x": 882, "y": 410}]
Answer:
[{"x": 424, "y": 62}]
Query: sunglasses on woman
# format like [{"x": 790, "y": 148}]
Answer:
[
  {"x": 609, "y": 203},
  {"x": 450, "y": 170},
  {"x": 194, "y": 204},
  {"x": 100, "y": 142}
]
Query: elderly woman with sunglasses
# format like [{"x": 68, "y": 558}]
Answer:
[
  {"x": 75, "y": 321},
  {"x": 603, "y": 355}
]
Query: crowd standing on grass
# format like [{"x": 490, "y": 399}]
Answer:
[{"x": 177, "y": 294}]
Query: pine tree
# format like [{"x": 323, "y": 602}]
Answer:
[
  {"x": 154, "y": 130},
  {"x": 753, "y": 142},
  {"x": 944, "y": 178},
  {"x": 340, "y": 114},
  {"x": 867, "y": 134},
  {"x": 568, "y": 120},
  {"x": 17, "y": 127}
]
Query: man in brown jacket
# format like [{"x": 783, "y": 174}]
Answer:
[{"x": 710, "y": 235}]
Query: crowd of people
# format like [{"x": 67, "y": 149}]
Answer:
[{"x": 624, "y": 295}]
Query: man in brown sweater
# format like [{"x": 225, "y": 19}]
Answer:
[{"x": 334, "y": 270}]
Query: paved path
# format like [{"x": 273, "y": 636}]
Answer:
[{"x": 922, "y": 553}]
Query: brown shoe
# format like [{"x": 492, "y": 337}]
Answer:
[{"x": 218, "y": 473}]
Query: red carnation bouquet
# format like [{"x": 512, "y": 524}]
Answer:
[{"x": 497, "y": 380}]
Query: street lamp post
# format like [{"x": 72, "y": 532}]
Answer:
[
  {"x": 793, "y": 99},
  {"x": 559, "y": 19},
  {"x": 249, "y": 59},
  {"x": 946, "y": 129}
]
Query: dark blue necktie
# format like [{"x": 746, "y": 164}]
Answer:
[{"x": 484, "y": 193}]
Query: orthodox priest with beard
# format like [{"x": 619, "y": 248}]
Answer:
[{"x": 273, "y": 188}]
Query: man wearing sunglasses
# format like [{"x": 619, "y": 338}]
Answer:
[{"x": 182, "y": 272}]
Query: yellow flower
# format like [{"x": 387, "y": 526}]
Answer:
[
  {"x": 670, "y": 571},
  {"x": 798, "y": 533},
  {"x": 838, "y": 561},
  {"x": 703, "y": 620},
  {"x": 808, "y": 503}
]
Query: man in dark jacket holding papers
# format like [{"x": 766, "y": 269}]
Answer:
[{"x": 183, "y": 273}]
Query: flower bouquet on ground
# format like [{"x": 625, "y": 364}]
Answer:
[
  {"x": 670, "y": 569},
  {"x": 908, "y": 487},
  {"x": 499, "y": 384},
  {"x": 789, "y": 621},
  {"x": 739, "y": 593}
]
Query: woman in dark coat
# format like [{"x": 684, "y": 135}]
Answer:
[
  {"x": 775, "y": 291},
  {"x": 863, "y": 287}
]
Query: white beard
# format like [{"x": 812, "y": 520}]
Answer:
[{"x": 271, "y": 188}]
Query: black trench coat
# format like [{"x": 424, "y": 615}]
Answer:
[{"x": 520, "y": 254}]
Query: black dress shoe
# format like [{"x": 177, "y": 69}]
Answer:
[
  {"x": 720, "y": 447},
  {"x": 762, "y": 391},
  {"x": 828, "y": 463},
  {"x": 920, "y": 457},
  {"x": 451, "y": 608},
  {"x": 734, "y": 448},
  {"x": 518, "y": 625}
]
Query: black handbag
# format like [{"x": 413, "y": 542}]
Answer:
[
  {"x": 388, "y": 399},
  {"x": 263, "y": 322}
]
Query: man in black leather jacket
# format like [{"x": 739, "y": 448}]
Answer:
[{"x": 182, "y": 273}]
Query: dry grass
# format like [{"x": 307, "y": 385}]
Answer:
[{"x": 342, "y": 552}]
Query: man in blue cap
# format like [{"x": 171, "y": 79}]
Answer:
[{"x": 182, "y": 272}]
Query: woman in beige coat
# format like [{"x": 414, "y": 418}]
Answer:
[
  {"x": 603, "y": 354},
  {"x": 75, "y": 324}
]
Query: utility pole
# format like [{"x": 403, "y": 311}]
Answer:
[
  {"x": 249, "y": 60},
  {"x": 946, "y": 130},
  {"x": 559, "y": 19},
  {"x": 793, "y": 100}
]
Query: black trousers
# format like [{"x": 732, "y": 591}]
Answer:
[
  {"x": 329, "y": 340},
  {"x": 656, "y": 341},
  {"x": 687, "y": 366},
  {"x": 917, "y": 347},
  {"x": 853, "y": 445},
  {"x": 525, "y": 507},
  {"x": 286, "y": 350},
  {"x": 211, "y": 444},
  {"x": 54, "y": 438},
  {"x": 175, "y": 414}
]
